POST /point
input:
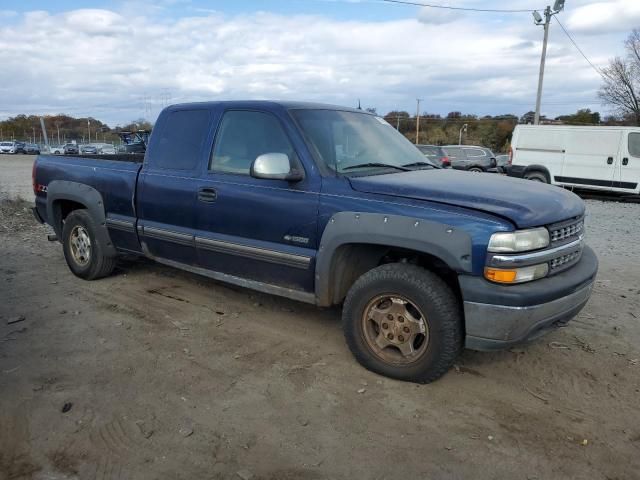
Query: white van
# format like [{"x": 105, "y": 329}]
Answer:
[{"x": 598, "y": 158}]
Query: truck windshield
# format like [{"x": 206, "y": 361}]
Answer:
[{"x": 357, "y": 143}]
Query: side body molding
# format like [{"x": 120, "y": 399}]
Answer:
[
  {"x": 85, "y": 195},
  {"x": 447, "y": 243}
]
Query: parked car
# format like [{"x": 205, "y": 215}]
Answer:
[
  {"x": 7, "y": 147},
  {"x": 470, "y": 158},
  {"x": 134, "y": 142},
  {"x": 595, "y": 158},
  {"x": 70, "y": 149},
  {"x": 32, "y": 148},
  {"x": 331, "y": 206},
  {"x": 12, "y": 146},
  {"x": 57, "y": 150},
  {"x": 436, "y": 154},
  {"x": 88, "y": 150},
  {"x": 107, "y": 150}
]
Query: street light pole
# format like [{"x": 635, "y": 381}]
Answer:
[
  {"x": 463, "y": 129},
  {"x": 558, "y": 6},
  {"x": 88, "y": 131}
]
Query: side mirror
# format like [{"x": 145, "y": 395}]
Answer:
[{"x": 274, "y": 166}]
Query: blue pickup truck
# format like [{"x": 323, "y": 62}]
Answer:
[{"x": 331, "y": 206}]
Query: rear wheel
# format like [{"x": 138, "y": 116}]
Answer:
[
  {"x": 536, "y": 177},
  {"x": 404, "y": 322},
  {"x": 83, "y": 252},
  {"x": 476, "y": 170}
]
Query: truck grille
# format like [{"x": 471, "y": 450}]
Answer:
[
  {"x": 565, "y": 261},
  {"x": 561, "y": 232}
]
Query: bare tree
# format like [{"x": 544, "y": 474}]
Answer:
[{"x": 621, "y": 86}]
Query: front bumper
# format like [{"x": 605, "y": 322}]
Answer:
[{"x": 499, "y": 316}]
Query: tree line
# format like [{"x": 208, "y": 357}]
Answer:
[{"x": 63, "y": 128}]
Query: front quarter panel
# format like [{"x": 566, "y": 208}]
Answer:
[{"x": 457, "y": 236}]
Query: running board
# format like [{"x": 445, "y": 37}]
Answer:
[{"x": 290, "y": 293}]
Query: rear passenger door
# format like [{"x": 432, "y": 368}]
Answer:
[
  {"x": 168, "y": 184},
  {"x": 476, "y": 157},
  {"x": 258, "y": 229}
]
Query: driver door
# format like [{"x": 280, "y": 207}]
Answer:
[{"x": 259, "y": 229}]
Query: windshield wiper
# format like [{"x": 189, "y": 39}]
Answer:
[
  {"x": 420, "y": 164},
  {"x": 375, "y": 164}
]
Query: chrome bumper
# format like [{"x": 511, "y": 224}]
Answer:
[{"x": 494, "y": 327}]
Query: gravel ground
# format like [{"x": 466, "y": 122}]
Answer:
[
  {"x": 156, "y": 373},
  {"x": 15, "y": 176}
]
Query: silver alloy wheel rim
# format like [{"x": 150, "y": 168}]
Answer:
[
  {"x": 395, "y": 329},
  {"x": 80, "y": 244}
]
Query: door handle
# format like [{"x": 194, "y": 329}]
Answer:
[
  {"x": 609, "y": 160},
  {"x": 207, "y": 195},
  {"x": 625, "y": 161}
]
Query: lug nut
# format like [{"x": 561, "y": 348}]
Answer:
[
  {"x": 406, "y": 329},
  {"x": 390, "y": 336},
  {"x": 401, "y": 319},
  {"x": 390, "y": 317},
  {"x": 385, "y": 325},
  {"x": 401, "y": 338}
]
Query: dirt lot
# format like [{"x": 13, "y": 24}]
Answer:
[{"x": 155, "y": 373}]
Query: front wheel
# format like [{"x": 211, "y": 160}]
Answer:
[
  {"x": 476, "y": 170},
  {"x": 83, "y": 252},
  {"x": 403, "y": 322}
]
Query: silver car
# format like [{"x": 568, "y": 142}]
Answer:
[{"x": 470, "y": 157}]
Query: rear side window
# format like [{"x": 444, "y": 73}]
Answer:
[
  {"x": 182, "y": 137},
  {"x": 474, "y": 152},
  {"x": 243, "y": 136},
  {"x": 634, "y": 144}
]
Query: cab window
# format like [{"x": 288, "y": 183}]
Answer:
[{"x": 245, "y": 135}]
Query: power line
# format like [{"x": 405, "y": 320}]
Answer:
[
  {"x": 465, "y": 9},
  {"x": 577, "y": 47}
]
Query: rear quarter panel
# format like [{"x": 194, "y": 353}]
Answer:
[{"x": 114, "y": 180}]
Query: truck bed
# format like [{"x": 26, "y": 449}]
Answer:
[{"x": 114, "y": 176}]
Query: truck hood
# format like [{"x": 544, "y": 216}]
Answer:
[{"x": 523, "y": 202}]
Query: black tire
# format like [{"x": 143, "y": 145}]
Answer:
[
  {"x": 475, "y": 169},
  {"x": 97, "y": 264},
  {"x": 431, "y": 295},
  {"x": 536, "y": 176}
]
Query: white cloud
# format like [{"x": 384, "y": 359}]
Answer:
[
  {"x": 119, "y": 66},
  {"x": 605, "y": 17},
  {"x": 438, "y": 16}
]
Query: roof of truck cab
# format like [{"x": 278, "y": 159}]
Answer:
[{"x": 265, "y": 105}]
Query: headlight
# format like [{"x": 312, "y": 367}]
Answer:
[
  {"x": 519, "y": 241},
  {"x": 516, "y": 275}
]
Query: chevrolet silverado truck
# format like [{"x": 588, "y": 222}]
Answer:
[{"x": 331, "y": 206}]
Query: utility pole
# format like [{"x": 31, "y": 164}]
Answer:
[
  {"x": 558, "y": 6},
  {"x": 418, "y": 100},
  {"x": 88, "y": 131},
  {"x": 33, "y": 139}
]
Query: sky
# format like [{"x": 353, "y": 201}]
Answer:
[{"x": 118, "y": 61}]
